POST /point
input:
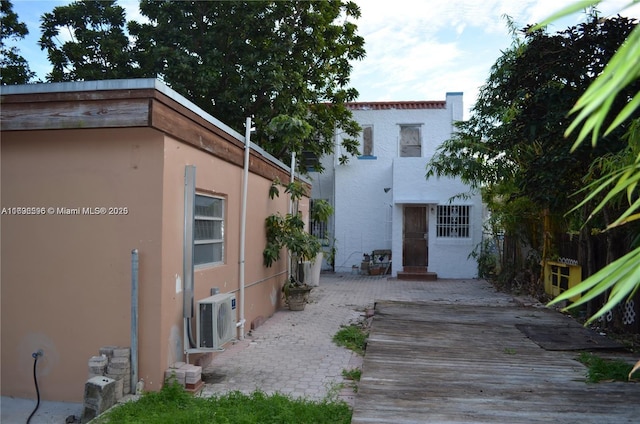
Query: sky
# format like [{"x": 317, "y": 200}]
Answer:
[{"x": 416, "y": 49}]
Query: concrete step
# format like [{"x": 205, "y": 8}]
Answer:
[
  {"x": 417, "y": 276},
  {"x": 415, "y": 269}
]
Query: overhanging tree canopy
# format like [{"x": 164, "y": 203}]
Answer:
[
  {"x": 514, "y": 147},
  {"x": 265, "y": 59},
  {"x": 289, "y": 60},
  {"x": 14, "y": 68},
  {"x": 515, "y": 136},
  {"x": 85, "y": 41}
]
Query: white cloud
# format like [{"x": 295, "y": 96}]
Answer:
[{"x": 419, "y": 50}]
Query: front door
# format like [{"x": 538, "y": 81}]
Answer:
[{"x": 414, "y": 240}]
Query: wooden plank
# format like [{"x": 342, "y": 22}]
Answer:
[
  {"x": 451, "y": 363},
  {"x": 195, "y": 131},
  {"x": 66, "y": 115}
]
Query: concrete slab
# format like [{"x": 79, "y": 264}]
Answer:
[{"x": 15, "y": 410}]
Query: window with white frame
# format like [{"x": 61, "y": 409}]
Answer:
[
  {"x": 453, "y": 221},
  {"x": 410, "y": 141},
  {"x": 208, "y": 230},
  {"x": 367, "y": 140}
]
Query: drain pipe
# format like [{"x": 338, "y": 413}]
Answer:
[
  {"x": 187, "y": 254},
  {"x": 243, "y": 220},
  {"x": 291, "y": 211},
  {"x": 134, "y": 318}
]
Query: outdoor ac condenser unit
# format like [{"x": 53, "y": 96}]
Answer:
[{"x": 216, "y": 318}]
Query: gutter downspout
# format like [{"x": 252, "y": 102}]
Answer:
[
  {"x": 243, "y": 221},
  {"x": 134, "y": 318},
  {"x": 187, "y": 255},
  {"x": 293, "y": 167}
]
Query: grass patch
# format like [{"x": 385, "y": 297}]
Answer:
[
  {"x": 172, "y": 405},
  {"x": 353, "y": 337},
  {"x": 604, "y": 369},
  {"x": 352, "y": 374}
]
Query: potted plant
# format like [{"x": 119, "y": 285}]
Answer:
[{"x": 287, "y": 232}]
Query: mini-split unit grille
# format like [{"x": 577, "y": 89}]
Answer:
[{"x": 216, "y": 317}]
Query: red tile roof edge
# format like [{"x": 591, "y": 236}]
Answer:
[{"x": 420, "y": 104}]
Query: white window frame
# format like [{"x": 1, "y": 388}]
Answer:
[
  {"x": 453, "y": 221},
  {"x": 212, "y": 242}
]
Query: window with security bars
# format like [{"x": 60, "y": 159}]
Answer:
[
  {"x": 208, "y": 230},
  {"x": 453, "y": 221},
  {"x": 318, "y": 228}
]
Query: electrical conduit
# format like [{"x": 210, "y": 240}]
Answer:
[
  {"x": 134, "y": 318},
  {"x": 243, "y": 221}
]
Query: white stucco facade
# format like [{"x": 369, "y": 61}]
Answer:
[{"x": 371, "y": 192}]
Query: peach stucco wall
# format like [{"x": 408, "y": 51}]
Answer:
[
  {"x": 66, "y": 278},
  {"x": 216, "y": 177}
]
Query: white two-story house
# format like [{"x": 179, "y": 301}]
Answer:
[{"x": 383, "y": 201}]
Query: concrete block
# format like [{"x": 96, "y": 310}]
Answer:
[
  {"x": 122, "y": 352},
  {"x": 190, "y": 366},
  {"x": 118, "y": 371},
  {"x": 123, "y": 384},
  {"x": 94, "y": 371},
  {"x": 99, "y": 395},
  {"x": 98, "y": 365},
  {"x": 192, "y": 380},
  {"x": 119, "y": 390},
  {"x": 119, "y": 365},
  {"x": 120, "y": 362},
  {"x": 178, "y": 365},
  {"x": 107, "y": 351},
  {"x": 193, "y": 373},
  {"x": 178, "y": 374}
]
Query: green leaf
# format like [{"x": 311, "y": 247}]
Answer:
[
  {"x": 623, "y": 275},
  {"x": 594, "y": 105},
  {"x": 625, "y": 113}
]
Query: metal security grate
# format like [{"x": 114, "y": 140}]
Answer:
[{"x": 453, "y": 221}]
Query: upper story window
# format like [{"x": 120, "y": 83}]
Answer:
[
  {"x": 208, "y": 230},
  {"x": 410, "y": 141},
  {"x": 453, "y": 221},
  {"x": 366, "y": 143}
]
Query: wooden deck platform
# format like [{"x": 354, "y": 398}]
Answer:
[{"x": 452, "y": 363}]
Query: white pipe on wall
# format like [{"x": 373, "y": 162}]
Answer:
[
  {"x": 134, "y": 318},
  {"x": 187, "y": 254},
  {"x": 243, "y": 220},
  {"x": 291, "y": 211}
]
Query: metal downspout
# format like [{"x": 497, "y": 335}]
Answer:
[
  {"x": 187, "y": 254},
  {"x": 134, "y": 318},
  {"x": 291, "y": 211},
  {"x": 243, "y": 221}
]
